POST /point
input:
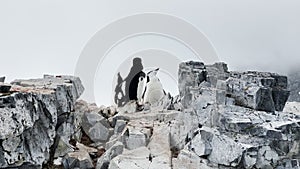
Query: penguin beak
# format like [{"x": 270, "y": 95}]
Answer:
[{"x": 156, "y": 69}]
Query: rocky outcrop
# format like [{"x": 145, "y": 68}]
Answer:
[
  {"x": 257, "y": 90},
  {"x": 30, "y": 111},
  {"x": 220, "y": 120}
]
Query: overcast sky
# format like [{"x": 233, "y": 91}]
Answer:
[{"x": 47, "y": 36}]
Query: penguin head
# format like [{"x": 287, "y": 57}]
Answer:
[
  {"x": 141, "y": 78},
  {"x": 152, "y": 74}
]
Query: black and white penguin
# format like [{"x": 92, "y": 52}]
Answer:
[
  {"x": 141, "y": 89},
  {"x": 154, "y": 91},
  {"x": 133, "y": 87}
]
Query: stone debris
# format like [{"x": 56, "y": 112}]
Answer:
[{"x": 220, "y": 120}]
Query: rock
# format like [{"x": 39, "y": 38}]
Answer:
[
  {"x": 258, "y": 90},
  {"x": 79, "y": 158},
  {"x": 250, "y": 158},
  {"x": 4, "y": 88},
  {"x": 133, "y": 159},
  {"x": 2, "y": 79},
  {"x": 225, "y": 151},
  {"x": 292, "y": 107},
  {"x": 96, "y": 127},
  {"x": 129, "y": 108},
  {"x": 159, "y": 146},
  {"x": 217, "y": 71},
  {"x": 221, "y": 119},
  {"x": 266, "y": 158},
  {"x": 137, "y": 137},
  {"x": 188, "y": 159},
  {"x": 104, "y": 160},
  {"x": 201, "y": 145},
  {"x": 63, "y": 147},
  {"x": 29, "y": 118},
  {"x": 290, "y": 164},
  {"x": 120, "y": 125}
]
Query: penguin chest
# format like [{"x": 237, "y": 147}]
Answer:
[{"x": 154, "y": 92}]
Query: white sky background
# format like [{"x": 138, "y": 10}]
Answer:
[{"x": 47, "y": 36}]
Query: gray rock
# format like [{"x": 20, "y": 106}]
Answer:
[
  {"x": 112, "y": 152},
  {"x": 4, "y": 88},
  {"x": 133, "y": 159},
  {"x": 29, "y": 117},
  {"x": 250, "y": 158},
  {"x": 120, "y": 125},
  {"x": 266, "y": 158},
  {"x": 188, "y": 159},
  {"x": 129, "y": 108},
  {"x": 258, "y": 90},
  {"x": 225, "y": 151},
  {"x": 79, "y": 158},
  {"x": 2, "y": 78},
  {"x": 290, "y": 164},
  {"x": 156, "y": 155},
  {"x": 137, "y": 137},
  {"x": 96, "y": 127}
]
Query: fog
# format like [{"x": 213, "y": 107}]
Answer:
[{"x": 47, "y": 36}]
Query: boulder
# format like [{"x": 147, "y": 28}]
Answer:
[
  {"x": 29, "y": 116},
  {"x": 2, "y": 79},
  {"x": 112, "y": 152},
  {"x": 79, "y": 158},
  {"x": 96, "y": 127},
  {"x": 4, "y": 88}
]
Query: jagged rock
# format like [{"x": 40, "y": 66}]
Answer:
[
  {"x": 129, "y": 108},
  {"x": 62, "y": 148},
  {"x": 217, "y": 71},
  {"x": 104, "y": 160},
  {"x": 266, "y": 158},
  {"x": 221, "y": 120},
  {"x": 200, "y": 145},
  {"x": 156, "y": 155},
  {"x": 257, "y": 90},
  {"x": 188, "y": 159},
  {"x": 79, "y": 158},
  {"x": 250, "y": 158},
  {"x": 2, "y": 78},
  {"x": 159, "y": 146},
  {"x": 4, "y": 88},
  {"x": 133, "y": 159},
  {"x": 290, "y": 164},
  {"x": 293, "y": 107},
  {"x": 120, "y": 125},
  {"x": 29, "y": 117},
  {"x": 224, "y": 150},
  {"x": 96, "y": 127},
  {"x": 137, "y": 137}
]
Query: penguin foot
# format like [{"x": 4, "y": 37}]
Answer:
[{"x": 139, "y": 107}]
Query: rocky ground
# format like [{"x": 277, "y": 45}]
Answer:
[{"x": 220, "y": 120}]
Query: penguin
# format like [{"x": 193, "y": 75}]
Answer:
[
  {"x": 133, "y": 87},
  {"x": 154, "y": 91},
  {"x": 141, "y": 89}
]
